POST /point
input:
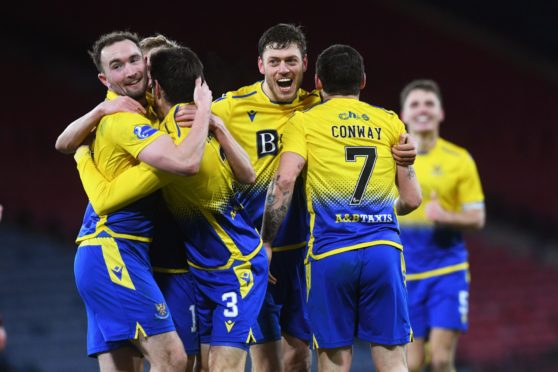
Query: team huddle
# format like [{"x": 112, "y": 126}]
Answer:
[{"x": 266, "y": 221}]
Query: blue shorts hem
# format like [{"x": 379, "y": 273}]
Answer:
[
  {"x": 239, "y": 345},
  {"x": 385, "y": 341},
  {"x": 335, "y": 345}
]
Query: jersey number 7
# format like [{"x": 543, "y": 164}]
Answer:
[{"x": 370, "y": 153}]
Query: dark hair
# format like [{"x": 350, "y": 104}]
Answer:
[
  {"x": 340, "y": 69},
  {"x": 422, "y": 84},
  {"x": 176, "y": 70},
  {"x": 107, "y": 40},
  {"x": 157, "y": 41},
  {"x": 281, "y": 36}
]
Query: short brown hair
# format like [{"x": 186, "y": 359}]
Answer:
[
  {"x": 422, "y": 84},
  {"x": 157, "y": 41},
  {"x": 107, "y": 40}
]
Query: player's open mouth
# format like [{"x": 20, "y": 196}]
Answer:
[
  {"x": 423, "y": 119},
  {"x": 284, "y": 83},
  {"x": 131, "y": 83}
]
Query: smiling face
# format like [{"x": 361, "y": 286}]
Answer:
[
  {"x": 283, "y": 70},
  {"x": 422, "y": 111},
  {"x": 124, "y": 70}
]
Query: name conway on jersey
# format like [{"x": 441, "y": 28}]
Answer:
[{"x": 350, "y": 195}]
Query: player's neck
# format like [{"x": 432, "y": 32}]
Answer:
[
  {"x": 326, "y": 96},
  {"x": 425, "y": 141}
]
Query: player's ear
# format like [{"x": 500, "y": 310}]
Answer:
[
  {"x": 318, "y": 82},
  {"x": 261, "y": 65},
  {"x": 156, "y": 89},
  {"x": 442, "y": 115},
  {"x": 362, "y": 82},
  {"x": 304, "y": 63},
  {"x": 103, "y": 80}
]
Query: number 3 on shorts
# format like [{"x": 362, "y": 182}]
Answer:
[{"x": 230, "y": 299}]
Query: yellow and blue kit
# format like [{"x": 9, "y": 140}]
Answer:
[
  {"x": 112, "y": 266},
  {"x": 350, "y": 189},
  {"x": 224, "y": 250},
  {"x": 437, "y": 258},
  {"x": 257, "y": 123},
  {"x": 172, "y": 274}
]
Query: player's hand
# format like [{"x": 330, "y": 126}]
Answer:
[
  {"x": 434, "y": 210},
  {"x": 83, "y": 150},
  {"x": 3, "y": 338},
  {"x": 269, "y": 252},
  {"x": 202, "y": 95},
  {"x": 185, "y": 115},
  {"x": 215, "y": 123},
  {"x": 122, "y": 104},
  {"x": 405, "y": 152}
]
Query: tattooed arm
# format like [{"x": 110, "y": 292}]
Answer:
[
  {"x": 279, "y": 195},
  {"x": 409, "y": 190}
]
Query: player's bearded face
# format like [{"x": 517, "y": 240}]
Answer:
[
  {"x": 422, "y": 111},
  {"x": 283, "y": 70},
  {"x": 124, "y": 69}
]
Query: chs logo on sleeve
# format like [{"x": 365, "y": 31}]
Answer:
[{"x": 144, "y": 131}]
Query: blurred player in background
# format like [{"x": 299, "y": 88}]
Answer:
[{"x": 436, "y": 256}]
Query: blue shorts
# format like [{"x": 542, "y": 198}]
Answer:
[
  {"x": 439, "y": 302},
  {"x": 229, "y": 301},
  {"x": 122, "y": 300},
  {"x": 179, "y": 292},
  {"x": 284, "y": 308},
  {"x": 359, "y": 293}
]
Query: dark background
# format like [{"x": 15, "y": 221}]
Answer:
[{"x": 496, "y": 62}]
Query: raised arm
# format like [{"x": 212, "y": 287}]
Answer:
[
  {"x": 236, "y": 156},
  {"x": 77, "y": 132},
  {"x": 471, "y": 217},
  {"x": 279, "y": 195},
  {"x": 405, "y": 152},
  {"x": 410, "y": 195},
  {"x": 183, "y": 159},
  {"x": 129, "y": 186}
]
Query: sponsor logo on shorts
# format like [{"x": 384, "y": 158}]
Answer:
[
  {"x": 117, "y": 270},
  {"x": 229, "y": 324},
  {"x": 162, "y": 312},
  {"x": 144, "y": 131}
]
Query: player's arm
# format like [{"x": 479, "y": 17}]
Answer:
[
  {"x": 77, "y": 132},
  {"x": 471, "y": 217},
  {"x": 183, "y": 159},
  {"x": 279, "y": 194},
  {"x": 109, "y": 196},
  {"x": 410, "y": 195},
  {"x": 236, "y": 156},
  {"x": 405, "y": 152}
]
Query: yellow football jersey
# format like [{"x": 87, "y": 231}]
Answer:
[
  {"x": 119, "y": 138},
  {"x": 217, "y": 229},
  {"x": 450, "y": 172},
  {"x": 350, "y": 174},
  {"x": 257, "y": 123}
]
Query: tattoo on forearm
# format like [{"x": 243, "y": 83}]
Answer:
[
  {"x": 410, "y": 172},
  {"x": 277, "y": 205}
]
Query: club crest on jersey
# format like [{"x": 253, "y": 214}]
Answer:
[
  {"x": 144, "y": 131},
  {"x": 245, "y": 278},
  {"x": 251, "y": 115},
  {"x": 162, "y": 312}
]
